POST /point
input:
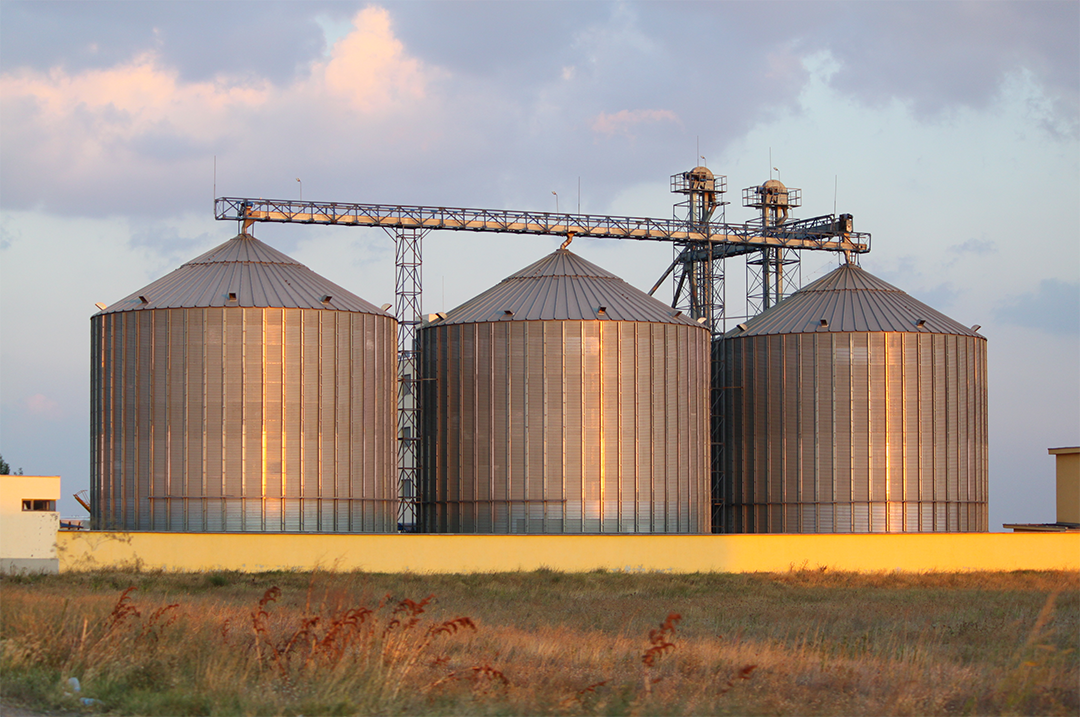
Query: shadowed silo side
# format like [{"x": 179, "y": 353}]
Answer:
[
  {"x": 243, "y": 392},
  {"x": 564, "y": 400},
  {"x": 850, "y": 407}
]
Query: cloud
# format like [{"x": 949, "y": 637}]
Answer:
[
  {"x": 134, "y": 128},
  {"x": 974, "y": 246},
  {"x": 140, "y": 127},
  {"x": 41, "y": 406},
  {"x": 128, "y": 95},
  {"x": 369, "y": 66},
  {"x": 273, "y": 40},
  {"x": 456, "y": 90},
  {"x": 624, "y": 121},
  {"x": 1054, "y": 307},
  {"x": 947, "y": 55}
]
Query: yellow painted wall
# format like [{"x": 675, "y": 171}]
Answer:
[
  {"x": 27, "y": 538},
  {"x": 493, "y": 553},
  {"x": 1068, "y": 484}
]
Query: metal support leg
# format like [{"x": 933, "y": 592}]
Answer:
[
  {"x": 407, "y": 307},
  {"x": 771, "y": 276}
]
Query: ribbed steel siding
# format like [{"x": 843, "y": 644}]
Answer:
[
  {"x": 565, "y": 427},
  {"x": 856, "y": 432},
  {"x": 243, "y": 419}
]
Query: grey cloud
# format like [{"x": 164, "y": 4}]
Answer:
[
  {"x": 936, "y": 55},
  {"x": 1054, "y": 307},
  {"x": 541, "y": 139},
  {"x": 943, "y": 55},
  {"x": 491, "y": 39},
  {"x": 273, "y": 40},
  {"x": 720, "y": 67},
  {"x": 973, "y": 246},
  {"x": 164, "y": 144}
]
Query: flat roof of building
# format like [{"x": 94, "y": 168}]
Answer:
[{"x": 1042, "y": 527}]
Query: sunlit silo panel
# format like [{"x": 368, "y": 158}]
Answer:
[
  {"x": 243, "y": 392},
  {"x": 563, "y": 400},
  {"x": 850, "y": 407}
]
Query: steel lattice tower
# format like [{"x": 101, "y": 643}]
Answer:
[
  {"x": 408, "y": 252},
  {"x": 774, "y": 272}
]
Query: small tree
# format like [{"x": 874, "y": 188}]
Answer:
[{"x": 5, "y": 469}]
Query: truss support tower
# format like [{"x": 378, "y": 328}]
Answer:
[
  {"x": 699, "y": 291},
  {"x": 773, "y": 273},
  {"x": 408, "y": 291}
]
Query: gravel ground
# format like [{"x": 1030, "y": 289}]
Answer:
[{"x": 8, "y": 710}]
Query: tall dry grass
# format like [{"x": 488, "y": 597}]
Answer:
[{"x": 803, "y": 642}]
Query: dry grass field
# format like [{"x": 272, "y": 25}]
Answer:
[{"x": 803, "y": 642}]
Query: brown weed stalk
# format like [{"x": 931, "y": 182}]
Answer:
[
  {"x": 659, "y": 643},
  {"x": 389, "y": 643}
]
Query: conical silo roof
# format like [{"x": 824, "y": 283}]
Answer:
[
  {"x": 243, "y": 272},
  {"x": 563, "y": 287},
  {"x": 850, "y": 299}
]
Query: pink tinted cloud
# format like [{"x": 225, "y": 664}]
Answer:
[
  {"x": 41, "y": 406},
  {"x": 369, "y": 66},
  {"x": 624, "y": 121},
  {"x": 130, "y": 96},
  {"x": 79, "y": 129}
]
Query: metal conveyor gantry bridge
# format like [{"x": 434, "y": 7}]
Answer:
[{"x": 701, "y": 246}]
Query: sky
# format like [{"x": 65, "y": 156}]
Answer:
[{"x": 951, "y": 131}]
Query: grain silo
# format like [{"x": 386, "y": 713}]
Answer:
[
  {"x": 564, "y": 400},
  {"x": 243, "y": 392},
  {"x": 850, "y": 407}
]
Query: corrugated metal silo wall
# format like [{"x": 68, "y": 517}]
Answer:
[
  {"x": 565, "y": 427},
  {"x": 243, "y": 419},
  {"x": 855, "y": 432}
]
